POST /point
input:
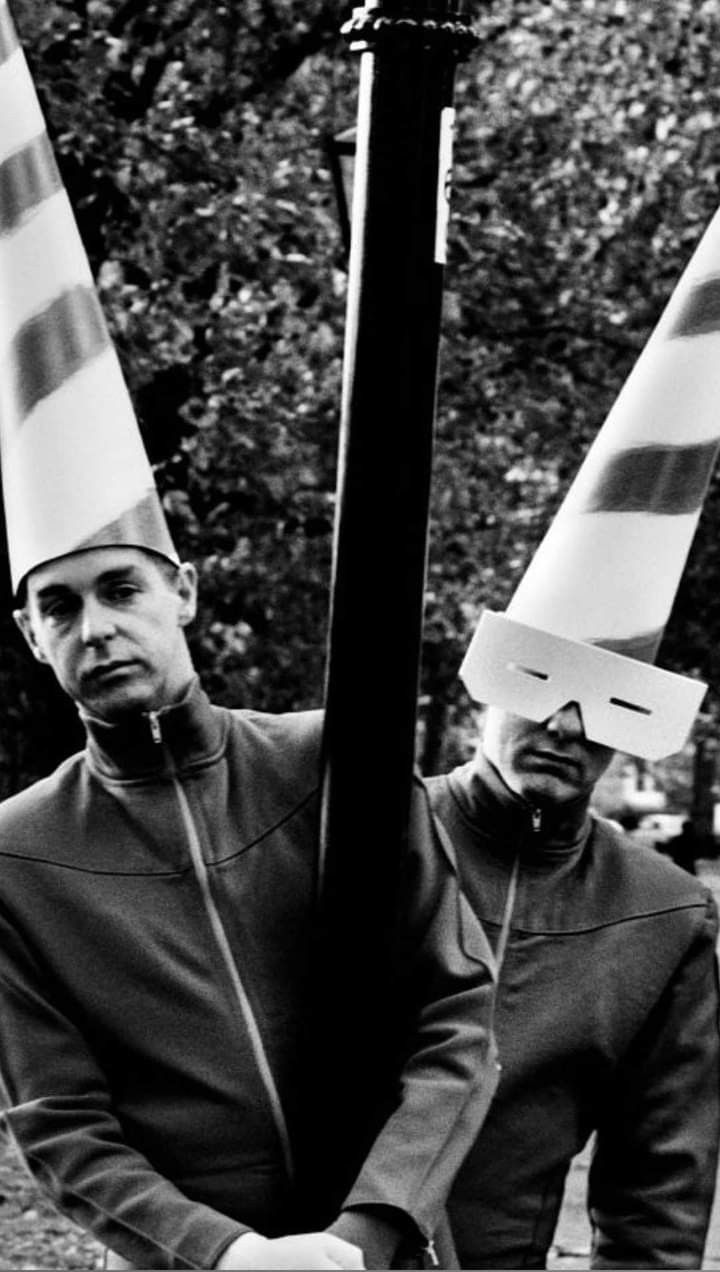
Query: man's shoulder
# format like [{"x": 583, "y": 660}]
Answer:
[
  {"x": 300, "y": 726},
  {"x": 40, "y": 803},
  {"x": 280, "y": 749},
  {"x": 296, "y": 730},
  {"x": 642, "y": 874}
]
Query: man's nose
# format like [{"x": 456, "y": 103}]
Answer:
[
  {"x": 566, "y": 722},
  {"x": 98, "y": 624}
]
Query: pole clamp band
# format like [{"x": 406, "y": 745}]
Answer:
[{"x": 367, "y": 27}]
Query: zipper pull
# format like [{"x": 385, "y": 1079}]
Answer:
[
  {"x": 155, "y": 729},
  {"x": 431, "y": 1253},
  {"x": 536, "y": 820}
]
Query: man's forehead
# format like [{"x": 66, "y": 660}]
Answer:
[{"x": 81, "y": 569}]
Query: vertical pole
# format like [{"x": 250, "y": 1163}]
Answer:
[{"x": 409, "y": 50}]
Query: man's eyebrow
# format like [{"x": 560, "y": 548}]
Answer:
[
  {"x": 52, "y": 589},
  {"x": 121, "y": 573}
]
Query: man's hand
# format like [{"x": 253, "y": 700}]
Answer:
[{"x": 305, "y": 1250}]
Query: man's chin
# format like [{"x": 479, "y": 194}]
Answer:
[
  {"x": 547, "y": 788},
  {"x": 114, "y": 702}
]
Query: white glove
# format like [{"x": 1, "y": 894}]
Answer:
[{"x": 304, "y": 1251}]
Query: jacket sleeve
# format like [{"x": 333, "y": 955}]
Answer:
[
  {"x": 451, "y": 1074},
  {"x": 652, "y": 1175},
  {"x": 58, "y": 1109}
]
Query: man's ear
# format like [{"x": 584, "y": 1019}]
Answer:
[
  {"x": 186, "y": 584},
  {"x": 24, "y": 622}
]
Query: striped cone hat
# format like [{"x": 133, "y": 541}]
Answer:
[
  {"x": 588, "y": 616},
  {"x": 75, "y": 473}
]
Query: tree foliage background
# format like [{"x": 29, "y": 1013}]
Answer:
[{"x": 190, "y": 135}]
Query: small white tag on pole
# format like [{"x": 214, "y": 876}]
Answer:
[{"x": 447, "y": 137}]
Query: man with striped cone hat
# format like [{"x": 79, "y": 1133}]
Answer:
[
  {"x": 607, "y": 1004},
  {"x": 157, "y": 894}
]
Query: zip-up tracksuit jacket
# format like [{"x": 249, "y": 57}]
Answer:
[
  {"x": 155, "y": 906},
  {"x": 606, "y": 1022}
]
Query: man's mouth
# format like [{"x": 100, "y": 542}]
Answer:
[
  {"x": 557, "y": 759},
  {"x": 106, "y": 671}
]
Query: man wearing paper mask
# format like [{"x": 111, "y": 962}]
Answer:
[{"x": 607, "y": 1003}]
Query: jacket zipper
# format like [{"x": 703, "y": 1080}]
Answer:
[
  {"x": 221, "y": 938},
  {"x": 510, "y": 898},
  {"x": 431, "y": 1253}
]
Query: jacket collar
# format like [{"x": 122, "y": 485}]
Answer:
[
  {"x": 495, "y": 812},
  {"x": 189, "y": 734}
]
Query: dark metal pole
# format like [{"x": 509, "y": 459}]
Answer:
[{"x": 409, "y": 50}]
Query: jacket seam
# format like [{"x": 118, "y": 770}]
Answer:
[
  {"x": 700, "y": 904},
  {"x": 286, "y": 817},
  {"x": 414, "y": 1206},
  {"x": 165, "y": 874},
  {"x": 68, "y": 865},
  {"x": 157, "y": 775}
]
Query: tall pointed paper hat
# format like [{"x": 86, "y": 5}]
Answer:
[
  {"x": 75, "y": 473},
  {"x": 588, "y": 616}
]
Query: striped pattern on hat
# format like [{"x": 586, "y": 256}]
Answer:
[
  {"x": 609, "y": 567},
  {"x": 75, "y": 473}
]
